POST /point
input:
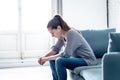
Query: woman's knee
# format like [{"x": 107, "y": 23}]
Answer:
[
  {"x": 59, "y": 60},
  {"x": 52, "y": 63}
]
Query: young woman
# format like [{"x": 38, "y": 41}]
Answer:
[{"x": 77, "y": 52}]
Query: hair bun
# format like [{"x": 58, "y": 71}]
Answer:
[{"x": 57, "y": 16}]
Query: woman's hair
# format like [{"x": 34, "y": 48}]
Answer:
[{"x": 58, "y": 21}]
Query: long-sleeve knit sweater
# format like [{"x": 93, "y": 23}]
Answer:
[{"x": 76, "y": 46}]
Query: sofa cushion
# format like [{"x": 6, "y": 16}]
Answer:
[
  {"x": 98, "y": 40},
  {"x": 114, "y": 42},
  {"x": 92, "y": 74},
  {"x": 77, "y": 70}
]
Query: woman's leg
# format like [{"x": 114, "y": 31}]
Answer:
[
  {"x": 67, "y": 63},
  {"x": 52, "y": 66}
]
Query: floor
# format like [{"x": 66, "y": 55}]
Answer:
[{"x": 27, "y": 73}]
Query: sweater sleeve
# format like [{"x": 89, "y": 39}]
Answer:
[{"x": 57, "y": 47}]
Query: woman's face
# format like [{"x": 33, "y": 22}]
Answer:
[{"x": 57, "y": 33}]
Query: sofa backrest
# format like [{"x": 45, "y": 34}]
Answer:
[{"x": 98, "y": 40}]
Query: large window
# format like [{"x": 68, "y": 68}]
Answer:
[
  {"x": 23, "y": 32},
  {"x": 9, "y": 24},
  {"x": 8, "y": 15},
  {"x": 35, "y": 15}
]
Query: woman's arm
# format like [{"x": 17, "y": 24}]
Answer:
[
  {"x": 42, "y": 60},
  {"x": 51, "y": 52},
  {"x": 52, "y": 57}
]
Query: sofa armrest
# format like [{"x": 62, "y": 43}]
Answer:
[{"x": 111, "y": 66}]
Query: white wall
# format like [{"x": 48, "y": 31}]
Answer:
[
  {"x": 114, "y": 14},
  {"x": 85, "y": 14}
]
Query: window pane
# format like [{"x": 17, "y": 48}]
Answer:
[
  {"x": 35, "y": 15},
  {"x": 85, "y": 14},
  {"x": 8, "y": 15}
]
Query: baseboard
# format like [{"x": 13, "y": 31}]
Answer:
[{"x": 10, "y": 63}]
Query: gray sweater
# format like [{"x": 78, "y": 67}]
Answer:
[{"x": 76, "y": 46}]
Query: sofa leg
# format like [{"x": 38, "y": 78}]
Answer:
[{"x": 73, "y": 76}]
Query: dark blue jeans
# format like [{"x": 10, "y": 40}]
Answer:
[{"x": 59, "y": 66}]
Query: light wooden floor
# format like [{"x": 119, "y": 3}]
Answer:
[{"x": 26, "y": 73}]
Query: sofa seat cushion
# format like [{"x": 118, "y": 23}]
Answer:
[
  {"x": 79, "y": 73},
  {"x": 92, "y": 74},
  {"x": 78, "y": 70}
]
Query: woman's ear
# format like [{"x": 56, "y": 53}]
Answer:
[{"x": 59, "y": 28}]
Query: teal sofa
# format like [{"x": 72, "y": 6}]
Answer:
[
  {"x": 111, "y": 64},
  {"x": 99, "y": 42}
]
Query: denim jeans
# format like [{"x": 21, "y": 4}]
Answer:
[{"x": 59, "y": 66}]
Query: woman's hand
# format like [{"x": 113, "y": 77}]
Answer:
[
  {"x": 42, "y": 60},
  {"x": 45, "y": 58}
]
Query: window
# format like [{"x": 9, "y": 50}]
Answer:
[
  {"x": 35, "y": 15},
  {"x": 23, "y": 32},
  {"x": 9, "y": 18},
  {"x": 8, "y": 15}
]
